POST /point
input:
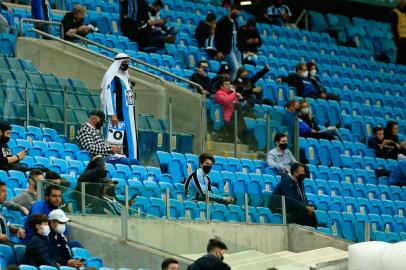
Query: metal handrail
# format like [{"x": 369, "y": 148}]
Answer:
[
  {"x": 92, "y": 52},
  {"x": 197, "y": 86},
  {"x": 304, "y": 15},
  {"x": 41, "y": 21}
]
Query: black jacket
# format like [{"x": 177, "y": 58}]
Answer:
[
  {"x": 245, "y": 34},
  {"x": 59, "y": 249},
  {"x": 4, "y": 153},
  {"x": 204, "y": 82},
  {"x": 299, "y": 83},
  {"x": 246, "y": 86},
  {"x": 202, "y": 32},
  {"x": 223, "y": 37},
  {"x": 208, "y": 262},
  {"x": 37, "y": 252},
  {"x": 95, "y": 173}
]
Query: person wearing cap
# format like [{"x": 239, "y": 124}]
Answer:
[
  {"x": 58, "y": 245},
  {"x": 201, "y": 77},
  {"x": 118, "y": 101},
  {"x": 90, "y": 138},
  {"x": 24, "y": 201},
  {"x": 8, "y": 161},
  {"x": 222, "y": 73}
]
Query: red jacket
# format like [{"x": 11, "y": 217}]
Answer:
[{"x": 226, "y": 100}]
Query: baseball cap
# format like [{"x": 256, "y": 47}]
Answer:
[{"x": 58, "y": 215}]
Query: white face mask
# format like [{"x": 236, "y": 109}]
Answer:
[
  {"x": 305, "y": 110},
  {"x": 313, "y": 72},
  {"x": 45, "y": 230},
  {"x": 305, "y": 74},
  {"x": 60, "y": 228}
]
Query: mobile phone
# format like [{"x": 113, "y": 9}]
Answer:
[{"x": 82, "y": 259}]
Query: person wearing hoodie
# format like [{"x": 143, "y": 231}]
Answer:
[
  {"x": 227, "y": 98},
  {"x": 315, "y": 80}
]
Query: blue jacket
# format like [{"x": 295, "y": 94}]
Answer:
[
  {"x": 303, "y": 127},
  {"x": 37, "y": 252},
  {"x": 398, "y": 175},
  {"x": 287, "y": 187},
  {"x": 40, "y": 207},
  {"x": 40, "y": 10}
]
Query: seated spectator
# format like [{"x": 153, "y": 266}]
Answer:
[
  {"x": 227, "y": 98},
  {"x": 246, "y": 86},
  {"x": 90, "y": 138},
  {"x": 73, "y": 23},
  {"x": 376, "y": 141},
  {"x": 297, "y": 208},
  {"x": 156, "y": 22},
  {"x": 398, "y": 175},
  {"x": 106, "y": 202},
  {"x": 249, "y": 41},
  {"x": 292, "y": 108},
  {"x": 5, "y": 226},
  {"x": 53, "y": 200},
  {"x": 322, "y": 92},
  {"x": 24, "y": 201},
  {"x": 201, "y": 78},
  {"x": 309, "y": 128},
  {"x": 300, "y": 80},
  {"x": 223, "y": 73},
  {"x": 58, "y": 245},
  {"x": 204, "y": 29},
  {"x": 37, "y": 252},
  {"x": 214, "y": 258},
  {"x": 198, "y": 183},
  {"x": 392, "y": 149},
  {"x": 278, "y": 13},
  {"x": 170, "y": 264},
  {"x": 280, "y": 158},
  {"x": 8, "y": 161}
]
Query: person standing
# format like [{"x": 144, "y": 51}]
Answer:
[
  {"x": 226, "y": 40},
  {"x": 398, "y": 25},
  {"x": 118, "y": 101},
  {"x": 41, "y": 10},
  {"x": 203, "y": 29}
]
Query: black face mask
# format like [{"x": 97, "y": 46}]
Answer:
[
  {"x": 4, "y": 139},
  {"x": 233, "y": 16},
  {"x": 283, "y": 146},
  {"x": 124, "y": 67},
  {"x": 301, "y": 177},
  {"x": 111, "y": 191},
  {"x": 99, "y": 125},
  {"x": 207, "y": 169}
]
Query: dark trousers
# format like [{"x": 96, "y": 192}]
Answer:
[{"x": 401, "y": 55}]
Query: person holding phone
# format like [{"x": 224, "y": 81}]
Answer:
[{"x": 8, "y": 161}]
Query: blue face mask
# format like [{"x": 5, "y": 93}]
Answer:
[{"x": 206, "y": 70}]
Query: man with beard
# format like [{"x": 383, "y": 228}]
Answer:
[
  {"x": 214, "y": 258},
  {"x": 8, "y": 161}
]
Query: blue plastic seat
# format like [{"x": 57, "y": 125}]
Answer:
[
  {"x": 80, "y": 253},
  {"x": 264, "y": 215}
]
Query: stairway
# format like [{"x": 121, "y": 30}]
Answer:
[{"x": 227, "y": 149}]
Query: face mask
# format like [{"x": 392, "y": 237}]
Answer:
[
  {"x": 4, "y": 139},
  {"x": 45, "y": 230},
  {"x": 233, "y": 16},
  {"x": 207, "y": 169},
  {"x": 111, "y": 192},
  {"x": 99, "y": 125},
  {"x": 60, "y": 228},
  {"x": 283, "y": 146},
  {"x": 124, "y": 67},
  {"x": 301, "y": 177},
  {"x": 313, "y": 73},
  {"x": 206, "y": 70},
  {"x": 305, "y": 74},
  {"x": 305, "y": 110}
]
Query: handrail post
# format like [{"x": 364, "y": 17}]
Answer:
[
  {"x": 124, "y": 215},
  {"x": 247, "y": 216},
  {"x": 367, "y": 232},
  {"x": 27, "y": 106},
  {"x": 207, "y": 207},
  {"x": 65, "y": 111},
  {"x": 39, "y": 186},
  {"x": 83, "y": 198},
  {"x": 235, "y": 133},
  {"x": 170, "y": 124},
  {"x": 268, "y": 132},
  {"x": 283, "y": 198},
  {"x": 204, "y": 123},
  {"x": 168, "y": 206}
]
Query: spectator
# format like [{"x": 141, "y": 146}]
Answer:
[
  {"x": 4, "y": 26},
  {"x": 118, "y": 98},
  {"x": 37, "y": 252},
  {"x": 58, "y": 245},
  {"x": 41, "y": 10},
  {"x": 5, "y": 226},
  {"x": 246, "y": 86},
  {"x": 315, "y": 80},
  {"x": 73, "y": 23},
  {"x": 106, "y": 203},
  {"x": 214, "y": 258},
  {"x": 24, "y": 201},
  {"x": 398, "y": 25},
  {"x": 201, "y": 78},
  {"x": 8, "y": 161},
  {"x": 280, "y": 158},
  {"x": 398, "y": 175},
  {"x": 309, "y": 128},
  {"x": 90, "y": 138},
  {"x": 52, "y": 201},
  {"x": 226, "y": 41},
  {"x": 170, "y": 264},
  {"x": 297, "y": 208},
  {"x": 157, "y": 23},
  {"x": 222, "y": 73},
  {"x": 249, "y": 41},
  {"x": 204, "y": 29},
  {"x": 198, "y": 183},
  {"x": 278, "y": 13},
  {"x": 392, "y": 149},
  {"x": 209, "y": 44},
  {"x": 376, "y": 141},
  {"x": 54, "y": 178},
  {"x": 300, "y": 80},
  {"x": 227, "y": 98},
  {"x": 292, "y": 108}
]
